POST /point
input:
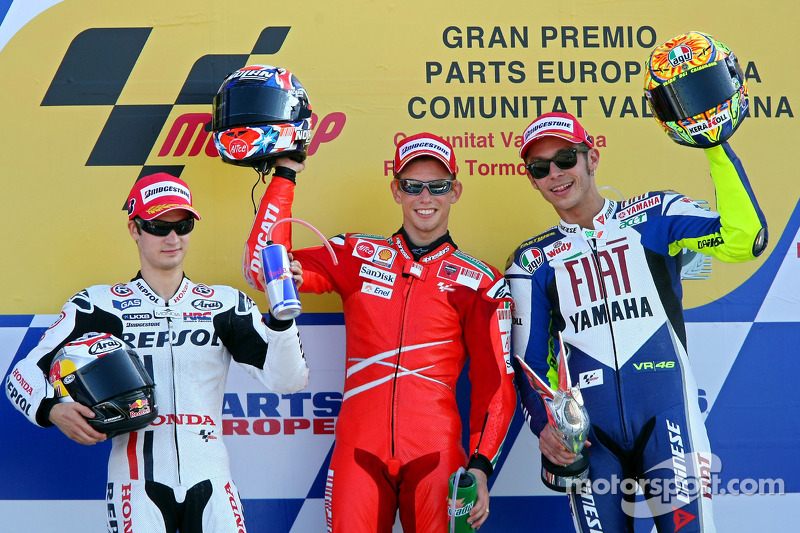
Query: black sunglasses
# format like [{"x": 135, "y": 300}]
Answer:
[
  {"x": 435, "y": 187},
  {"x": 564, "y": 160},
  {"x": 162, "y": 228}
]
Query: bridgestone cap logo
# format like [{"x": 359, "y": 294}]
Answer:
[
  {"x": 564, "y": 124},
  {"x": 427, "y": 145},
  {"x": 165, "y": 188}
]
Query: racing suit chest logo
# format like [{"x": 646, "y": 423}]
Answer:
[
  {"x": 600, "y": 287},
  {"x": 374, "y": 253},
  {"x": 377, "y": 274}
]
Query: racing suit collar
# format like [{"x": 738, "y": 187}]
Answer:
[
  {"x": 599, "y": 223},
  {"x": 417, "y": 252},
  {"x": 140, "y": 285}
]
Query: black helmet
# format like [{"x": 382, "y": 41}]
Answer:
[
  {"x": 261, "y": 113},
  {"x": 100, "y": 372},
  {"x": 696, "y": 90}
]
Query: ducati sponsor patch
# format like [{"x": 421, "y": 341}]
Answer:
[{"x": 459, "y": 274}]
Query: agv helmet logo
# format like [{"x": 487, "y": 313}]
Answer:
[
  {"x": 679, "y": 55},
  {"x": 531, "y": 259}
]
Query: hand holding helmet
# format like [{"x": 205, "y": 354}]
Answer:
[
  {"x": 696, "y": 90},
  {"x": 99, "y": 372}
]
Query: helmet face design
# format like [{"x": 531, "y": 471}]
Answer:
[
  {"x": 696, "y": 90},
  {"x": 261, "y": 113},
  {"x": 100, "y": 372}
]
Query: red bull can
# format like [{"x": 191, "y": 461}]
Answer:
[
  {"x": 280, "y": 288},
  {"x": 461, "y": 499}
]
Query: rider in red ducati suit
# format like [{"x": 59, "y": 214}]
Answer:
[{"x": 415, "y": 309}]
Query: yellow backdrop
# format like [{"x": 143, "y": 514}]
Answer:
[{"x": 374, "y": 71}]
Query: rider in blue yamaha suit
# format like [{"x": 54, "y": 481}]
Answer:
[{"x": 608, "y": 278}]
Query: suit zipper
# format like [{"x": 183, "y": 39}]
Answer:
[
  {"x": 593, "y": 246},
  {"x": 174, "y": 400},
  {"x": 406, "y": 295}
]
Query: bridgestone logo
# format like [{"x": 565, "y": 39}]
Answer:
[
  {"x": 157, "y": 190},
  {"x": 426, "y": 145},
  {"x": 550, "y": 124}
]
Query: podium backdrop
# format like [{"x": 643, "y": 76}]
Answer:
[{"x": 97, "y": 93}]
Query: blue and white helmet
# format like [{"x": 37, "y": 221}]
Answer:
[{"x": 261, "y": 113}]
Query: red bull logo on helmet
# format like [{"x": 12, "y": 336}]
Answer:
[{"x": 139, "y": 407}]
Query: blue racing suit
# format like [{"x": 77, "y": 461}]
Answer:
[{"x": 614, "y": 293}]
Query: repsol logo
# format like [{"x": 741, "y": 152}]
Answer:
[
  {"x": 14, "y": 395},
  {"x": 157, "y": 339}
]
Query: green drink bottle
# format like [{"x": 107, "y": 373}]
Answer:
[{"x": 461, "y": 500}]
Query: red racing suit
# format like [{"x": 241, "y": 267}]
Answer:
[{"x": 410, "y": 327}]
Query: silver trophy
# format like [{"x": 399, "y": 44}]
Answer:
[{"x": 565, "y": 412}]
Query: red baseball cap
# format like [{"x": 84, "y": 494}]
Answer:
[
  {"x": 157, "y": 194},
  {"x": 561, "y": 125},
  {"x": 424, "y": 144}
]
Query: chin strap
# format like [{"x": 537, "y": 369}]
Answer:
[{"x": 262, "y": 170}]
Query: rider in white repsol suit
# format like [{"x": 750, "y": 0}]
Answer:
[{"x": 174, "y": 474}]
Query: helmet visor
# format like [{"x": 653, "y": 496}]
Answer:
[
  {"x": 110, "y": 375},
  {"x": 246, "y": 105},
  {"x": 694, "y": 94}
]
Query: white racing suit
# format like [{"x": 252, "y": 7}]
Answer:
[{"x": 173, "y": 474}]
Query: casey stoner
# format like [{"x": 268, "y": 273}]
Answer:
[{"x": 413, "y": 315}]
